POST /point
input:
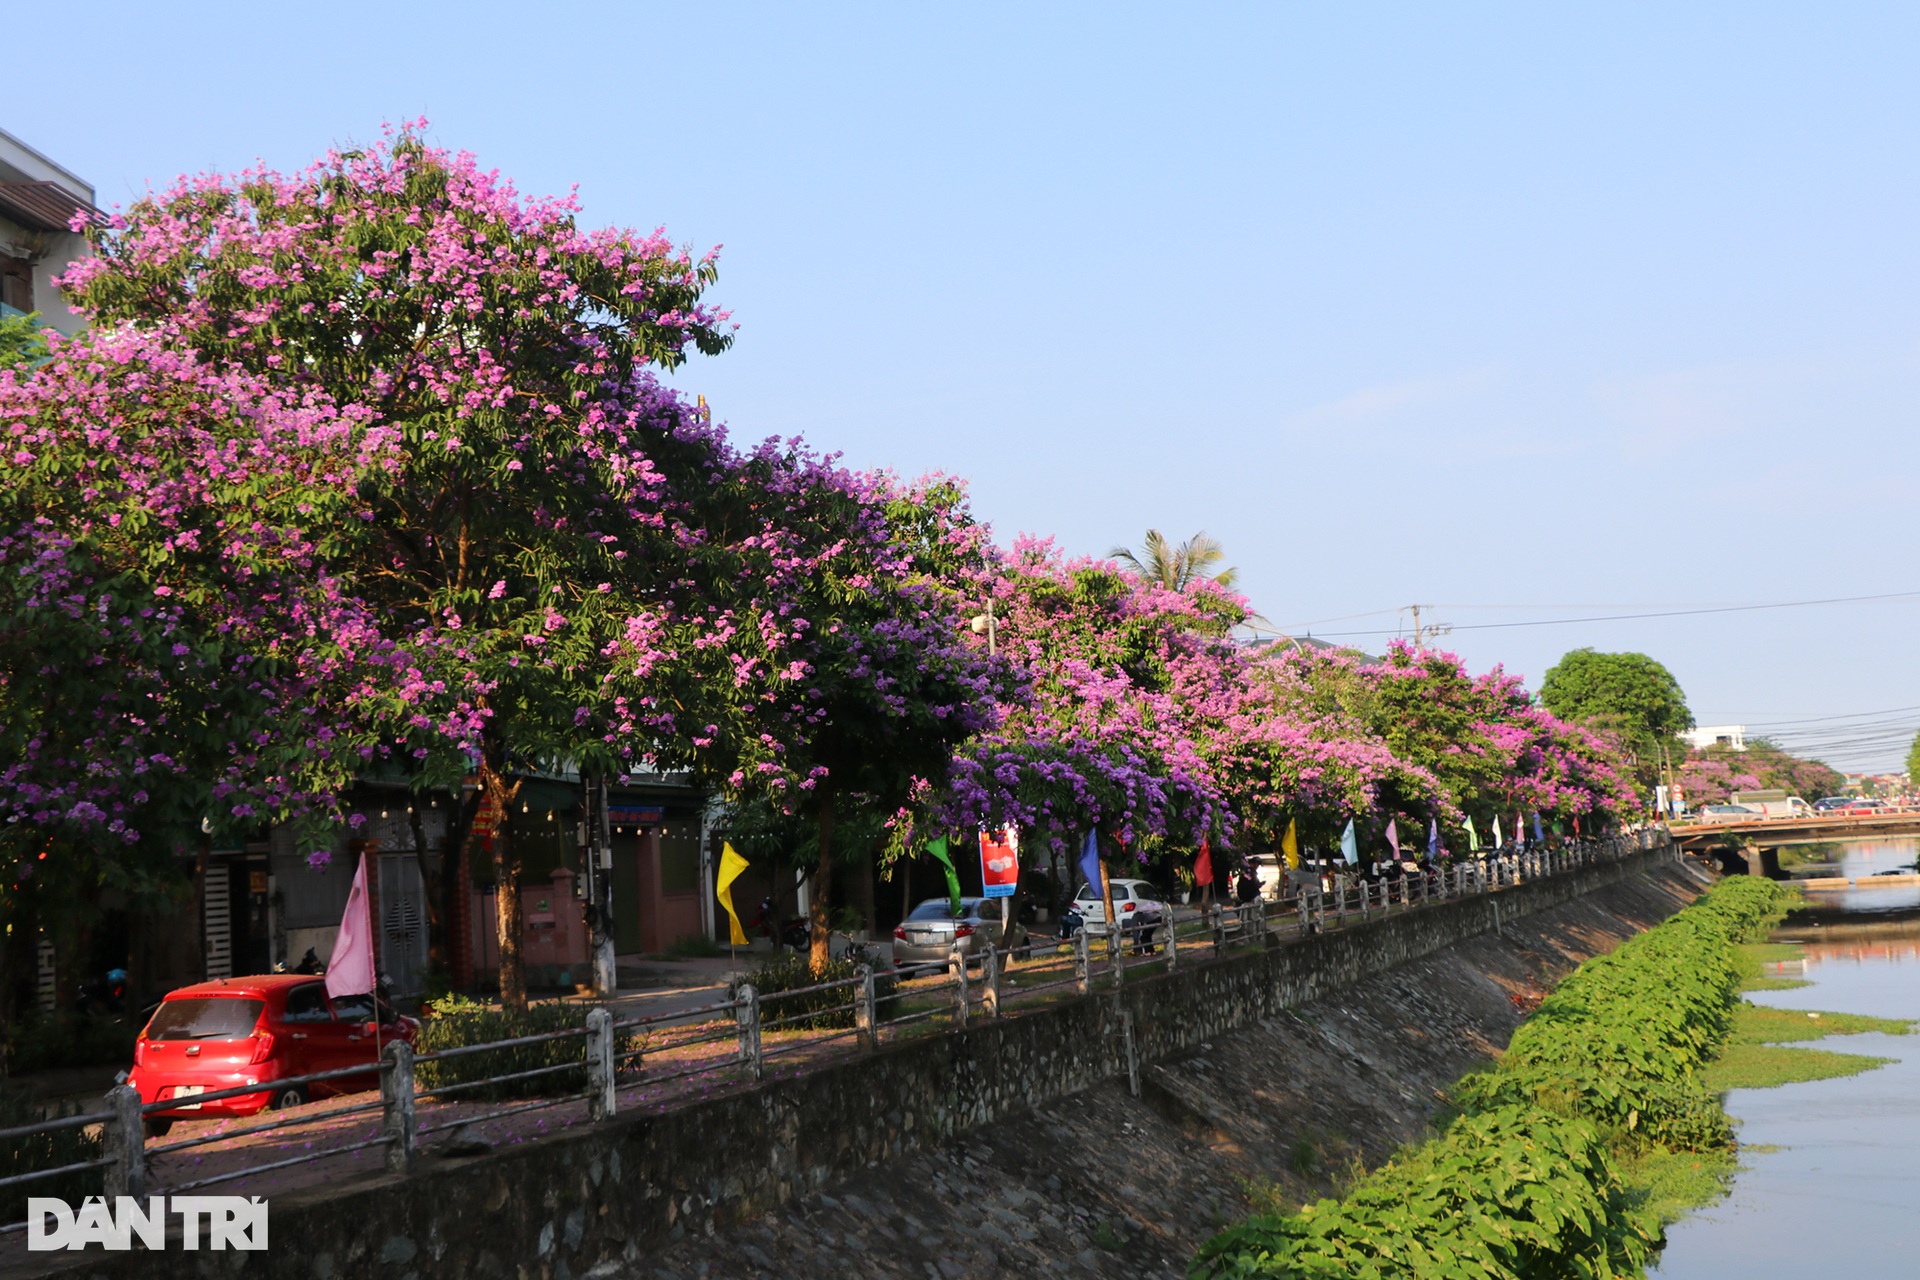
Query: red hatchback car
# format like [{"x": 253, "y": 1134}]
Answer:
[{"x": 239, "y": 1031}]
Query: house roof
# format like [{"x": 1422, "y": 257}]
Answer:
[{"x": 43, "y": 206}]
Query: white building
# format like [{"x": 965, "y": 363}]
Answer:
[
  {"x": 38, "y": 199},
  {"x": 1724, "y": 735}
]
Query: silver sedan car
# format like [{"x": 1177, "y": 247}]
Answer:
[{"x": 930, "y": 930}]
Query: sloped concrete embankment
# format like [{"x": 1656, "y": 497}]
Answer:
[{"x": 1013, "y": 1148}]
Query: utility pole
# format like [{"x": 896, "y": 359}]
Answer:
[
  {"x": 598, "y": 844},
  {"x": 1420, "y": 633},
  {"x": 1666, "y": 769}
]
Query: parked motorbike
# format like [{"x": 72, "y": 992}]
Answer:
[
  {"x": 796, "y": 934},
  {"x": 108, "y": 992}
]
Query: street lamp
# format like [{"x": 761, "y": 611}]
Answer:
[{"x": 983, "y": 625}]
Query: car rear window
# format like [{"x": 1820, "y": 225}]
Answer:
[
  {"x": 937, "y": 909},
  {"x": 1086, "y": 893},
  {"x": 205, "y": 1018}
]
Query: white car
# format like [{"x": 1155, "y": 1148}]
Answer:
[{"x": 1136, "y": 907}]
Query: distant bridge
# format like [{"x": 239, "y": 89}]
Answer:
[{"x": 1775, "y": 833}]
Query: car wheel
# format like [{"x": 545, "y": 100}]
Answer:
[
  {"x": 156, "y": 1128},
  {"x": 291, "y": 1096}
]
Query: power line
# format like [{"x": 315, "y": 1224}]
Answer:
[
  {"x": 1848, "y": 715},
  {"x": 1669, "y": 613}
]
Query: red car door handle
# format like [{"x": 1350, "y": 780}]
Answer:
[{"x": 299, "y": 1035}]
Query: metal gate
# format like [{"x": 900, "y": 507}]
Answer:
[{"x": 403, "y": 925}]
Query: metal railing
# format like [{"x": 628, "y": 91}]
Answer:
[{"x": 986, "y": 982}]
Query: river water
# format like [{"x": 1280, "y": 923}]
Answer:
[{"x": 1830, "y": 1176}]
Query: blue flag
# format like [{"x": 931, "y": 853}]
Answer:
[
  {"x": 1349, "y": 847},
  {"x": 1090, "y": 861},
  {"x": 1433, "y": 838},
  {"x": 1536, "y": 829}
]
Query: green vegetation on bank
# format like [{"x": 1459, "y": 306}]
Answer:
[
  {"x": 1604, "y": 1082},
  {"x": 1764, "y": 1066},
  {"x": 1601, "y": 1124},
  {"x": 1753, "y": 956},
  {"x": 1759, "y": 1055}
]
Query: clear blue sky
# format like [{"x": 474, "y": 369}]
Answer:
[{"x": 1525, "y": 311}]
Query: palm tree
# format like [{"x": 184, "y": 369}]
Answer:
[{"x": 1176, "y": 567}]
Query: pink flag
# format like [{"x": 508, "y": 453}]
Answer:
[
  {"x": 1393, "y": 838},
  {"x": 350, "y": 970}
]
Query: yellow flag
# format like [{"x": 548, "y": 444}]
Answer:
[
  {"x": 1290, "y": 846},
  {"x": 731, "y": 865}
]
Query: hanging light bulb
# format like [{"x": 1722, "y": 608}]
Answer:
[
  {"x": 523, "y": 806},
  {"x": 409, "y": 811},
  {"x": 549, "y": 815},
  {"x": 383, "y": 813},
  {"x": 434, "y": 803}
]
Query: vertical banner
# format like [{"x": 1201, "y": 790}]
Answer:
[{"x": 999, "y": 862}]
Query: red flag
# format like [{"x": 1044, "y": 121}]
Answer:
[
  {"x": 1203, "y": 867},
  {"x": 350, "y": 968}
]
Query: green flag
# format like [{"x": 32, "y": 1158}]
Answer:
[
  {"x": 938, "y": 848},
  {"x": 1473, "y": 837}
]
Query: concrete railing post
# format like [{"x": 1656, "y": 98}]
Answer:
[
  {"x": 126, "y": 1145},
  {"x": 957, "y": 963},
  {"x": 1219, "y": 920},
  {"x": 600, "y": 1073},
  {"x": 396, "y": 1107},
  {"x": 863, "y": 1009},
  {"x": 1082, "y": 962},
  {"x": 747, "y": 1010},
  {"x": 1170, "y": 941}
]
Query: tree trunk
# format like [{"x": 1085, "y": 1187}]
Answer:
[
  {"x": 452, "y": 910},
  {"x": 863, "y": 893},
  {"x": 506, "y": 888},
  {"x": 1113, "y": 931},
  {"x": 1010, "y": 908},
  {"x": 202, "y": 860},
  {"x": 438, "y": 956},
  {"x": 17, "y": 962},
  {"x": 822, "y": 883}
]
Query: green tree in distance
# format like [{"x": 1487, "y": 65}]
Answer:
[
  {"x": 1913, "y": 762},
  {"x": 21, "y": 341},
  {"x": 1627, "y": 693},
  {"x": 1175, "y": 567}
]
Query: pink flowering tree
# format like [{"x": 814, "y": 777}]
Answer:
[
  {"x": 1091, "y": 738},
  {"x": 1483, "y": 739},
  {"x": 177, "y": 658},
  {"x": 841, "y": 677},
  {"x": 590, "y": 573},
  {"x": 593, "y": 570}
]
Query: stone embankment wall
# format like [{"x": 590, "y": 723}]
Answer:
[{"x": 1251, "y": 1068}]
